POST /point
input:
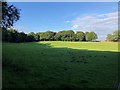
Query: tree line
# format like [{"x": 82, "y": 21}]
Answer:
[{"x": 12, "y": 35}]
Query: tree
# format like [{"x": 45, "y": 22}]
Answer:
[
  {"x": 4, "y": 35},
  {"x": 22, "y": 37},
  {"x": 69, "y": 35},
  {"x": 50, "y": 35},
  {"x": 47, "y": 36},
  {"x": 13, "y": 33},
  {"x": 59, "y": 36},
  {"x": 87, "y": 36},
  {"x": 37, "y": 36},
  {"x": 9, "y": 38},
  {"x": 65, "y": 35},
  {"x": 80, "y": 36},
  {"x": 93, "y": 36},
  {"x": 38, "y": 39},
  {"x": 115, "y": 36},
  {"x": 31, "y": 36},
  {"x": 10, "y": 14},
  {"x": 90, "y": 36},
  {"x": 110, "y": 37},
  {"x": 31, "y": 33}
]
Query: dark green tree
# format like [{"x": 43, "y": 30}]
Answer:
[
  {"x": 10, "y": 14},
  {"x": 12, "y": 34},
  {"x": 69, "y": 35},
  {"x": 65, "y": 35},
  {"x": 37, "y": 36},
  {"x": 47, "y": 36},
  {"x": 31, "y": 37},
  {"x": 59, "y": 36},
  {"x": 22, "y": 37},
  {"x": 38, "y": 39},
  {"x": 4, "y": 35}
]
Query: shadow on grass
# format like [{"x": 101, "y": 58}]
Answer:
[{"x": 34, "y": 65}]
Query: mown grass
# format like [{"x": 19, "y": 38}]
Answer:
[{"x": 60, "y": 65}]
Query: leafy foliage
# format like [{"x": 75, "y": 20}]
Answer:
[
  {"x": 47, "y": 36},
  {"x": 67, "y": 35},
  {"x": 91, "y": 36},
  {"x": 12, "y": 35},
  {"x": 80, "y": 36},
  {"x": 10, "y": 14},
  {"x": 115, "y": 36}
]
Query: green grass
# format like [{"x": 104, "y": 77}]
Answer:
[
  {"x": 97, "y": 46},
  {"x": 60, "y": 65}
]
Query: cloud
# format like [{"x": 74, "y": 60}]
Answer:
[
  {"x": 75, "y": 26},
  {"x": 102, "y": 24},
  {"x": 68, "y": 21}
]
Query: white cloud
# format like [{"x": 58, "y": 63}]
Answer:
[
  {"x": 75, "y": 26},
  {"x": 102, "y": 24},
  {"x": 67, "y": 21}
]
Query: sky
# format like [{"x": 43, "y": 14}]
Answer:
[{"x": 100, "y": 17}]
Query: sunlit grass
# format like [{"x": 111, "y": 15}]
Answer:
[{"x": 98, "y": 46}]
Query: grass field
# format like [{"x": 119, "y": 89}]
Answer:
[{"x": 60, "y": 65}]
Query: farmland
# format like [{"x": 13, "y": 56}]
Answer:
[{"x": 57, "y": 64}]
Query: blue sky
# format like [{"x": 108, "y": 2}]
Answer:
[{"x": 82, "y": 16}]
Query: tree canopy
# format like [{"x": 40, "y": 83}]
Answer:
[
  {"x": 80, "y": 36},
  {"x": 47, "y": 36},
  {"x": 91, "y": 36},
  {"x": 10, "y": 14},
  {"x": 65, "y": 35},
  {"x": 115, "y": 36}
]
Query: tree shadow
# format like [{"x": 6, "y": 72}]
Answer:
[{"x": 44, "y": 66}]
